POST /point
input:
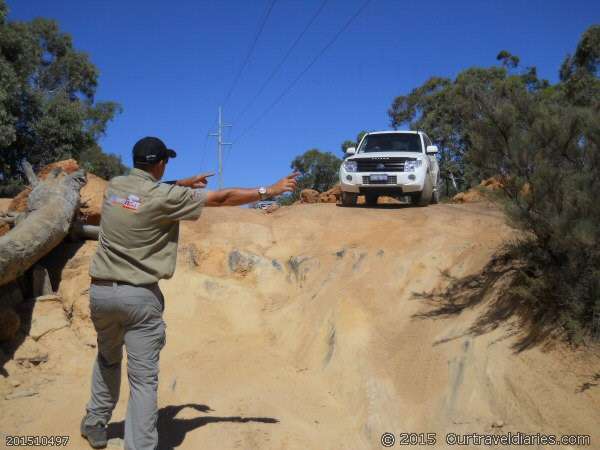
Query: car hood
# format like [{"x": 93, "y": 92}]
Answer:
[{"x": 372, "y": 155}]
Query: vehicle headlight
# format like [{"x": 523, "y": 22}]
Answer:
[
  {"x": 411, "y": 166},
  {"x": 350, "y": 166}
]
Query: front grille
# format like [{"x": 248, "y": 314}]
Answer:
[
  {"x": 392, "y": 179},
  {"x": 381, "y": 164}
]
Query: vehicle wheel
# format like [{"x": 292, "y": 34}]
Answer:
[
  {"x": 424, "y": 197},
  {"x": 349, "y": 199},
  {"x": 371, "y": 199}
]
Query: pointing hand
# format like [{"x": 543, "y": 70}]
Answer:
[
  {"x": 287, "y": 184},
  {"x": 196, "y": 182}
]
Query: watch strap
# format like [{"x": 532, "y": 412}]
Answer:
[{"x": 263, "y": 193}]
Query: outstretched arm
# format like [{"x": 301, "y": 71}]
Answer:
[
  {"x": 195, "y": 182},
  {"x": 242, "y": 196}
]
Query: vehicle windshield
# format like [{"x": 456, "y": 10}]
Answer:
[{"x": 392, "y": 142}]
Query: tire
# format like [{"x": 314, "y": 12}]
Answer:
[
  {"x": 424, "y": 197},
  {"x": 349, "y": 199},
  {"x": 371, "y": 199}
]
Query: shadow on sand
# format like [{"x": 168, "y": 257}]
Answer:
[
  {"x": 380, "y": 206},
  {"x": 54, "y": 263},
  {"x": 172, "y": 431},
  {"x": 494, "y": 289}
]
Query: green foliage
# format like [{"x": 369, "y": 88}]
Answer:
[
  {"x": 47, "y": 107},
  {"x": 548, "y": 151},
  {"x": 349, "y": 143},
  {"x": 579, "y": 72},
  {"x": 586, "y": 57},
  {"x": 105, "y": 165},
  {"x": 10, "y": 188},
  {"x": 431, "y": 108},
  {"x": 544, "y": 142},
  {"x": 3, "y": 12},
  {"x": 287, "y": 199},
  {"x": 318, "y": 170},
  {"x": 444, "y": 108},
  {"x": 509, "y": 60}
]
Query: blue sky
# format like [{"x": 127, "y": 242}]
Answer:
[{"x": 170, "y": 64}]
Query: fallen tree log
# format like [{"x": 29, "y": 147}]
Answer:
[
  {"x": 51, "y": 207},
  {"x": 83, "y": 231},
  {"x": 12, "y": 217}
]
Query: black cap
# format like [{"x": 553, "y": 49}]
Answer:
[{"x": 150, "y": 150}]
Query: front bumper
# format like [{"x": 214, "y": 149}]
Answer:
[{"x": 354, "y": 182}]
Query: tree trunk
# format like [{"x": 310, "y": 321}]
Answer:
[
  {"x": 83, "y": 231},
  {"x": 51, "y": 207}
]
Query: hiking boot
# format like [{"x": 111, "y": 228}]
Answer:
[{"x": 96, "y": 435}]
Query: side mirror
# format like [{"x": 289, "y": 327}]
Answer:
[
  {"x": 432, "y": 149},
  {"x": 350, "y": 150}
]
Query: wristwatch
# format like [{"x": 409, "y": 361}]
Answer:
[{"x": 262, "y": 192}]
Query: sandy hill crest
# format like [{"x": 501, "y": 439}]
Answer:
[{"x": 299, "y": 330}]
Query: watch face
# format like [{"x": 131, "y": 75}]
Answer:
[{"x": 262, "y": 190}]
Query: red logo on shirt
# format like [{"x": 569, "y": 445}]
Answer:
[{"x": 132, "y": 202}]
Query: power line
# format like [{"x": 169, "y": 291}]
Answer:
[
  {"x": 259, "y": 31},
  {"x": 238, "y": 75},
  {"x": 306, "y": 69},
  {"x": 278, "y": 67}
]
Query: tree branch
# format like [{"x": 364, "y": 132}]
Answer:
[{"x": 29, "y": 173}]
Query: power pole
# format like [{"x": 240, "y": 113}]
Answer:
[{"x": 220, "y": 144}]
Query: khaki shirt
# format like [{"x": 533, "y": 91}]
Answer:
[{"x": 139, "y": 228}]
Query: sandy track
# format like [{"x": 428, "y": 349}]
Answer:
[{"x": 296, "y": 331}]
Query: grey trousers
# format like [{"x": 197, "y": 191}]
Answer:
[{"x": 129, "y": 315}]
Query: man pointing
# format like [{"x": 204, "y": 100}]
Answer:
[{"x": 137, "y": 247}]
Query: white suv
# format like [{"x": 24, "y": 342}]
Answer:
[{"x": 397, "y": 164}]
